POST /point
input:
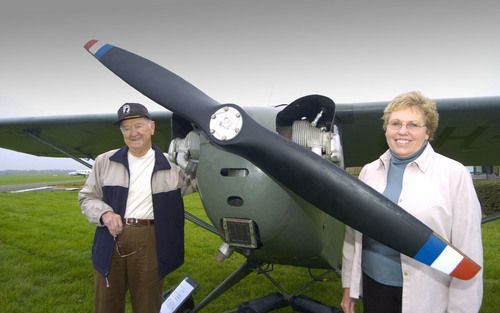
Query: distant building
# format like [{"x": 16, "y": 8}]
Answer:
[{"x": 484, "y": 172}]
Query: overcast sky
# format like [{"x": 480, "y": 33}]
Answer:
[{"x": 259, "y": 52}]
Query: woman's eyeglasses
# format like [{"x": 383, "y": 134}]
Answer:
[{"x": 397, "y": 125}]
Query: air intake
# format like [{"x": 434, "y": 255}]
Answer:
[{"x": 241, "y": 232}]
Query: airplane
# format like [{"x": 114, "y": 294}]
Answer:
[
  {"x": 272, "y": 180},
  {"x": 80, "y": 173}
]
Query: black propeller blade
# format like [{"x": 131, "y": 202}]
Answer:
[
  {"x": 316, "y": 180},
  {"x": 156, "y": 82}
]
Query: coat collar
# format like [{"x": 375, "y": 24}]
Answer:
[
  {"x": 161, "y": 162},
  {"x": 423, "y": 161}
]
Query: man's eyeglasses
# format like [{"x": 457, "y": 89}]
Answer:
[
  {"x": 397, "y": 125},
  {"x": 121, "y": 255},
  {"x": 136, "y": 127}
]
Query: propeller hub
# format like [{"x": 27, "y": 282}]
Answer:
[{"x": 226, "y": 123}]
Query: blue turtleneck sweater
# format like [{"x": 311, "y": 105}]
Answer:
[{"x": 380, "y": 262}]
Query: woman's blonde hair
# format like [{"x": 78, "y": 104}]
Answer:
[{"x": 414, "y": 99}]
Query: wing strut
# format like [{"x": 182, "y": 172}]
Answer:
[
  {"x": 235, "y": 277},
  {"x": 199, "y": 222},
  {"x": 40, "y": 139}
]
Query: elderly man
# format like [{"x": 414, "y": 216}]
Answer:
[{"x": 134, "y": 197}]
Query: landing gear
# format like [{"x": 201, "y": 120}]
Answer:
[
  {"x": 274, "y": 301},
  {"x": 277, "y": 301}
]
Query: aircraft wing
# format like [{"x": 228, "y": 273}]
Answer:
[
  {"x": 469, "y": 130},
  {"x": 82, "y": 136}
]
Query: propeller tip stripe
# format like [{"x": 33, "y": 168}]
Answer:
[
  {"x": 466, "y": 269},
  {"x": 96, "y": 48},
  {"x": 90, "y": 43},
  {"x": 439, "y": 255},
  {"x": 447, "y": 260},
  {"x": 431, "y": 250}
]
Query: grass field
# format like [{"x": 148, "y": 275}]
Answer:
[
  {"x": 45, "y": 260},
  {"x": 26, "y": 179}
]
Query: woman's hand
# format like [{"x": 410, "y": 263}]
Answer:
[{"x": 347, "y": 304}]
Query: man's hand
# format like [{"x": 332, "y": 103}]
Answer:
[{"x": 113, "y": 222}]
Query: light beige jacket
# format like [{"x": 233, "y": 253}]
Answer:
[{"x": 439, "y": 192}]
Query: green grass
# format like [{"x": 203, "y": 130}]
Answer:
[
  {"x": 45, "y": 260},
  {"x": 491, "y": 244},
  {"x": 27, "y": 179}
]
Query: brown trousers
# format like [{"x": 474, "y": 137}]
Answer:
[{"x": 135, "y": 270}]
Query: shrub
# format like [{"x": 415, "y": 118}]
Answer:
[{"x": 488, "y": 192}]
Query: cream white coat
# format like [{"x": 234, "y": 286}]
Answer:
[{"x": 439, "y": 192}]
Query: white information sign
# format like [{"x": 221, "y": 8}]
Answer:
[{"x": 178, "y": 296}]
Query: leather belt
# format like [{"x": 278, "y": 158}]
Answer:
[{"x": 138, "y": 221}]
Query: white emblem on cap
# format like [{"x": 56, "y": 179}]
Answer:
[{"x": 126, "y": 109}]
